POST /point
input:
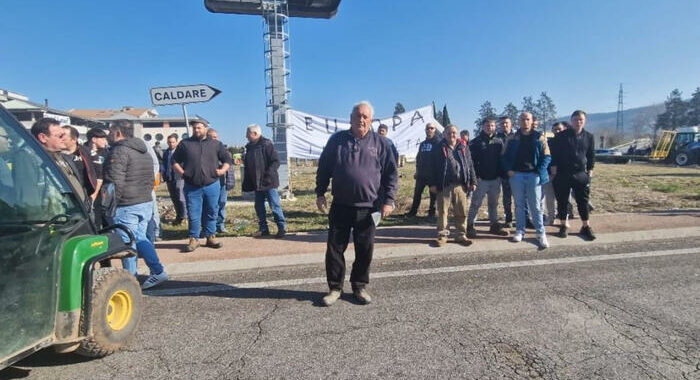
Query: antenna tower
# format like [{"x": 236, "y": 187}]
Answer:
[{"x": 620, "y": 125}]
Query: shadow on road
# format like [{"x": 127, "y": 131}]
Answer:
[{"x": 44, "y": 358}]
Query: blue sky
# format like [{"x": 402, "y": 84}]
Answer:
[{"x": 107, "y": 54}]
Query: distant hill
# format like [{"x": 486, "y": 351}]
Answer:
[{"x": 641, "y": 117}]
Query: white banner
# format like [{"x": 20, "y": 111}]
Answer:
[{"x": 308, "y": 133}]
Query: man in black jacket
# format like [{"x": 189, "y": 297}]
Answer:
[
  {"x": 174, "y": 181},
  {"x": 506, "y": 132},
  {"x": 260, "y": 165},
  {"x": 129, "y": 168},
  {"x": 79, "y": 155},
  {"x": 197, "y": 160},
  {"x": 452, "y": 179},
  {"x": 423, "y": 168},
  {"x": 486, "y": 149},
  {"x": 573, "y": 159},
  {"x": 96, "y": 148},
  {"x": 365, "y": 175}
]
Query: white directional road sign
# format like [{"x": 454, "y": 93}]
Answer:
[{"x": 163, "y": 96}]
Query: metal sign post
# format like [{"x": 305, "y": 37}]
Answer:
[
  {"x": 197, "y": 93},
  {"x": 187, "y": 121}
]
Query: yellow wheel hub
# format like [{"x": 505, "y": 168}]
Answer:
[{"x": 119, "y": 310}]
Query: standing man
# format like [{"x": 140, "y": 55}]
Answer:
[
  {"x": 130, "y": 168},
  {"x": 51, "y": 136},
  {"x": 486, "y": 149},
  {"x": 260, "y": 164},
  {"x": 452, "y": 179},
  {"x": 383, "y": 130},
  {"x": 364, "y": 173},
  {"x": 548, "y": 195},
  {"x": 506, "y": 132},
  {"x": 174, "y": 181},
  {"x": 227, "y": 182},
  {"x": 79, "y": 156},
  {"x": 197, "y": 160},
  {"x": 464, "y": 136},
  {"x": 423, "y": 171},
  {"x": 525, "y": 160},
  {"x": 96, "y": 146},
  {"x": 573, "y": 159}
]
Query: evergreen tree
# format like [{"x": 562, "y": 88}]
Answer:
[
  {"x": 546, "y": 110},
  {"x": 398, "y": 108},
  {"x": 485, "y": 111},
  {"x": 435, "y": 112},
  {"x": 675, "y": 114},
  {"x": 445, "y": 116},
  {"x": 528, "y": 105},
  {"x": 511, "y": 111},
  {"x": 694, "y": 109}
]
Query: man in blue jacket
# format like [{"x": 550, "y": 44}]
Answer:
[
  {"x": 364, "y": 172},
  {"x": 525, "y": 161}
]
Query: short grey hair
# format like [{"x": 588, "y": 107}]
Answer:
[
  {"x": 363, "y": 103},
  {"x": 211, "y": 131},
  {"x": 254, "y": 128}
]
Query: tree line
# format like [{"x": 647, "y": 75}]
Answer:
[{"x": 679, "y": 112}]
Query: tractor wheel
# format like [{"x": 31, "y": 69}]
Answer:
[
  {"x": 115, "y": 312},
  {"x": 682, "y": 159}
]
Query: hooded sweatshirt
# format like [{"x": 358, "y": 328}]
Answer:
[{"x": 129, "y": 167}]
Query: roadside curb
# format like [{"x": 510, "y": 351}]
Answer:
[{"x": 411, "y": 250}]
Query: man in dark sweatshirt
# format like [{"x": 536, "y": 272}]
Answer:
[
  {"x": 129, "y": 168},
  {"x": 573, "y": 159},
  {"x": 486, "y": 150},
  {"x": 364, "y": 172},
  {"x": 506, "y": 132},
  {"x": 423, "y": 168}
]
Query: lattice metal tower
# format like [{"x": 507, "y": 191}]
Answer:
[
  {"x": 276, "y": 14},
  {"x": 620, "y": 125}
]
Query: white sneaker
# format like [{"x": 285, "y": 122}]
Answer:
[
  {"x": 542, "y": 240},
  {"x": 330, "y": 298},
  {"x": 154, "y": 280},
  {"x": 518, "y": 237}
]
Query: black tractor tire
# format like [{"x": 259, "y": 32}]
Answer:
[
  {"x": 111, "y": 284},
  {"x": 682, "y": 159}
]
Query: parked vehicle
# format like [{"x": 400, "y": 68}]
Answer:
[
  {"x": 689, "y": 155},
  {"x": 53, "y": 292}
]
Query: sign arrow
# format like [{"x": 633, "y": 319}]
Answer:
[{"x": 163, "y": 96}]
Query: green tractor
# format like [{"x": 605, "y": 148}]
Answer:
[{"x": 53, "y": 291}]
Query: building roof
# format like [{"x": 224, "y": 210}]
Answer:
[{"x": 123, "y": 113}]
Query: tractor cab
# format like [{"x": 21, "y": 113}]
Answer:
[{"x": 53, "y": 292}]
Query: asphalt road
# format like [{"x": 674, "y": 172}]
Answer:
[{"x": 613, "y": 311}]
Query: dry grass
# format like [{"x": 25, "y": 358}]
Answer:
[{"x": 616, "y": 188}]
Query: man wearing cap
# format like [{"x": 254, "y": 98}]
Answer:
[
  {"x": 197, "y": 160},
  {"x": 96, "y": 148}
]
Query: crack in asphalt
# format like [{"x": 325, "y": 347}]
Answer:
[
  {"x": 639, "y": 333},
  {"x": 258, "y": 325}
]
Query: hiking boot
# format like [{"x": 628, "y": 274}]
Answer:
[
  {"x": 441, "y": 240},
  {"x": 462, "y": 240},
  {"x": 518, "y": 237},
  {"x": 498, "y": 230},
  {"x": 362, "y": 296},
  {"x": 260, "y": 233},
  {"x": 330, "y": 298},
  {"x": 154, "y": 280},
  {"x": 193, "y": 244},
  {"x": 587, "y": 233},
  {"x": 542, "y": 241},
  {"x": 471, "y": 232},
  {"x": 213, "y": 243},
  {"x": 280, "y": 233},
  {"x": 563, "y": 232}
]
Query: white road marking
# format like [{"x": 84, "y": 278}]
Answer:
[{"x": 423, "y": 272}]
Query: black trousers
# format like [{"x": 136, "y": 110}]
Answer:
[
  {"x": 341, "y": 220},
  {"x": 177, "y": 196},
  {"x": 580, "y": 183},
  {"x": 507, "y": 200},
  {"x": 421, "y": 184}
]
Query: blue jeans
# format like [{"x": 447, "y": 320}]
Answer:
[
  {"x": 153, "y": 230},
  {"x": 273, "y": 198},
  {"x": 221, "y": 220},
  {"x": 136, "y": 218},
  {"x": 527, "y": 193},
  {"x": 202, "y": 198}
]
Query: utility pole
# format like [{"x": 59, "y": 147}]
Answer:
[{"x": 620, "y": 125}]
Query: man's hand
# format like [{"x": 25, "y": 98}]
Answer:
[
  {"x": 321, "y": 203},
  {"x": 510, "y": 173},
  {"x": 472, "y": 187},
  {"x": 386, "y": 210},
  {"x": 93, "y": 196},
  {"x": 590, "y": 174},
  {"x": 433, "y": 189},
  {"x": 220, "y": 172}
]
